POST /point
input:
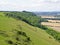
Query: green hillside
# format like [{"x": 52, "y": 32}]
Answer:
[{"x": 17, "y": 32}]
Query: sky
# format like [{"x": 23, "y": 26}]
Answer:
[{"x": 30, "y": 5}]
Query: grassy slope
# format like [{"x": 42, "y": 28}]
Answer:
[{"x": 37, "y": 35}]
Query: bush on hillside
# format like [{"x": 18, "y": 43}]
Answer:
[
  {"x": 10, "y": 42},
  {"x": 21, "y": 33}
]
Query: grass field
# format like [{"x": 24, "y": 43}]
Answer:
[{"x": 8, "y": 31}]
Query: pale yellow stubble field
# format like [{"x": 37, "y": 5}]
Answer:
[{"x": 53, "y": 24}]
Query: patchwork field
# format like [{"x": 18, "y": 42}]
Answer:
[
  {"x": 47, "y": 16},
  {"x": 54, "y": 24}
]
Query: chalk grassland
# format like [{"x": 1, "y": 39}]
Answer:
[{"x": 37, "y": 35}]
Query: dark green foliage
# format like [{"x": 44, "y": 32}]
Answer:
[
  {"x": 43, "y": 27},
  {"x": 10, "y": 42},
  {"x": 17, "y": 38},
  {"x": 21, "y": 33},
  {"x": 28, "y": 17},
  {"x": 50, "y": 37},
  {"x": 28, "y": 38}
]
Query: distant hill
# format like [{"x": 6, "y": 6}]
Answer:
[{"x": 47, "y": 13}]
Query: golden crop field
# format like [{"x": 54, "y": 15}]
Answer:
[
  {"x": 53, "y": 24},
  {"x": 47, "y": 16}
]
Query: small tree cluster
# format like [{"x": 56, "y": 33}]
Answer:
[{"x": 21, "y": 33}]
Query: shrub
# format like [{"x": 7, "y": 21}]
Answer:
[
  {"x": 22, "y": 33},
  {"x": 17, "y": 38},
  {"x": 19, "y": 32},
  {"x": 10, "y": 42},
  {"x": 28, "y": 38}
]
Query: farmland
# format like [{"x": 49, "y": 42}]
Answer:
[{"x": 54, "y": 24}]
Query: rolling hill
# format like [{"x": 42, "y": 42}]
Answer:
[{"x": 17, "y": 32}]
